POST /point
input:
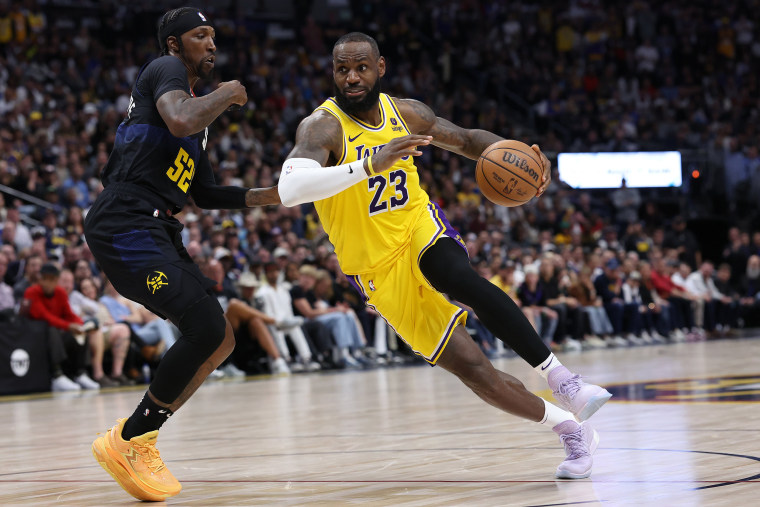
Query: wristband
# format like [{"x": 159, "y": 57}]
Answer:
[{"x": 369, "y": 164}]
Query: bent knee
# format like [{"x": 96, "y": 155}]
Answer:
[{"x": 204, "y": 323}]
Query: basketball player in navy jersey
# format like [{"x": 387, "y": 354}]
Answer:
[{"x": 159, "y": 158}]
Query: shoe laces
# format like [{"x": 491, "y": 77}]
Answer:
[
  {"x": 150, "y": 456},
  {"x": 570, "y": 386},
  {"x": 574, "y": 444}
]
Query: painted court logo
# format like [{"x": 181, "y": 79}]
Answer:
[
  {"x": 745, "y": 388},
  {"x": 156, "y": 280}
]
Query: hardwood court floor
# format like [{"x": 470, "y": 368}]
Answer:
[{"x": 415, "y": 436}]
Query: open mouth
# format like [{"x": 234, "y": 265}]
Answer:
[{"x": 210, "y": 60}]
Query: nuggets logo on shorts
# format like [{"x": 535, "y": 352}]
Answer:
[{"x": 156, "y": 280}]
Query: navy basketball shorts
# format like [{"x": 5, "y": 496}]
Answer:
[{"x": 139, "y": 248}]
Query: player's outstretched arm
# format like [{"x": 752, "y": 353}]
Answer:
[
  {"x": 466, "y": 142},
  {"x": 208, "y": 195},
  {"x": 262, "y": 197},
  {"x": 319, "y": 137},
  {"x": 186, "y": 115}
]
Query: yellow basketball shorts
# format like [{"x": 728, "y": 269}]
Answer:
[{"x": 419, "y": 314}]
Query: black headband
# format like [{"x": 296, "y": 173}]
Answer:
[{"x": 181, "y": 24}]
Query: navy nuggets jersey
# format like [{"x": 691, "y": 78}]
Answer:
[{"x": 145, "y": 152}]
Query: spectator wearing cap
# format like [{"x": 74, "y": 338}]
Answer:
[
  {"x": 281, "y": 255},
  {"x": 48, "y": 301},
  {"x": 245, "y": 317},
  {"x": 609, "y": 286},
  {"x": 55, "y": 236},
  {"x": 229, "y": 275},
  {"x": 277, "y": 302},
  {"x": 248, "y": 285}
]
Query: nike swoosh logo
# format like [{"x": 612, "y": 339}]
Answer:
[
  {"x": 545, "y": 367},
  {"x": 351, "y": 140}
]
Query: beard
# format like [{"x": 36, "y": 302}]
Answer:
[
  {"x": 203, "y": 74},
  {"x": 199, "y": 69},
  {"x": 357, "y": 106}
]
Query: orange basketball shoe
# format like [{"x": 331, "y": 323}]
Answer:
[{"x": 136, "y": 465}]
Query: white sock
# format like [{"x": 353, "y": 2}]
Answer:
[
  {"x": 555, "y": 415},
  {"x": 548, "y": 365}
]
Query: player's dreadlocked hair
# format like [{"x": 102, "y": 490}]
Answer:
[
  {"x": 168, "y": 18},
  {"x": 359, "y": 37}
]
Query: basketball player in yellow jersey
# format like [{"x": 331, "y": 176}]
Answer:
[{"x": 354, "y": 159}]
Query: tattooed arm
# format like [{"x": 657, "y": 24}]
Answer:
[
  {"x": 186, "y": 115},
  {"x": 422, "y": 120},
  {"x": 319, "y": 137},
  {"x": 466, "y": 142}
]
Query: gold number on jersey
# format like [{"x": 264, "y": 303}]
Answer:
[{"x": 183, "y": 171}]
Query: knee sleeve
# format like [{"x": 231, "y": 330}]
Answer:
[
  {"x": 203, "y": 328},
  {"x": 204, "y": 325}
]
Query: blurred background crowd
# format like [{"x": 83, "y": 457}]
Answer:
[{"x": 590, "y": 268}]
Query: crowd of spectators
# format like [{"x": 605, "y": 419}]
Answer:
[{"x": 589, "y": 268}]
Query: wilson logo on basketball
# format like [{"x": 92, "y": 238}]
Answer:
[{"x": 520, "y": 163}]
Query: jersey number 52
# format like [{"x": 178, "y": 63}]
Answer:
[
  {"x": 183, "y": 171},
  {"x": 378, "y": 183}
]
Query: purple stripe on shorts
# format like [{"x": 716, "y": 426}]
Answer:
[
  {"x": 448, "y": 230},
  {"x": 352, "y": 279},
  {"x": 447, "y": 337}
]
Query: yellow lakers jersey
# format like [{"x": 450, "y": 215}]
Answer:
[{"x": 371, "y": 222}]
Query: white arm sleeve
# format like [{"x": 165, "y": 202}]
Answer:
[{"x": 303, "y": 180}]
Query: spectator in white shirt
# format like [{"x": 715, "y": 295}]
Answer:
[
  {"x": 700, "y": 283},
  {"x": 278, "y": 303}
]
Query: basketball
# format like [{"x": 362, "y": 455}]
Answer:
[{"x": 509, "y": 173}]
